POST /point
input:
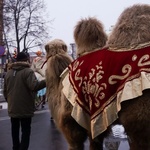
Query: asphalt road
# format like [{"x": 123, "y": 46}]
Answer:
[{"x": 45, "y": 135}]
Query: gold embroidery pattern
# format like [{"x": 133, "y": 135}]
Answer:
[
  {"x": 144, "y": 61},
  {"x": 126, "y": 70},
  {"x": 76, "y": 65},
  {"x": 94, "y": 86},
  {"x": 88, "y": 87},
  {"x": 134, "y": 57},
  {"x": 77, "y": 78},
  {"x": 100, "y": 93}
]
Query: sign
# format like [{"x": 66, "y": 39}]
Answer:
[{"x": 2, "y": 50}]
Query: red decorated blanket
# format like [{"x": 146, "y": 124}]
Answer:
[{"x": 98, "y": 77}]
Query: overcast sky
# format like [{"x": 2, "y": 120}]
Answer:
[{"x": 66, "y": 13}]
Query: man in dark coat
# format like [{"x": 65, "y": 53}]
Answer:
[{"x": 20, "y": 87}]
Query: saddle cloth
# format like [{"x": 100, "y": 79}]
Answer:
[{"x": 98, "y": 82}]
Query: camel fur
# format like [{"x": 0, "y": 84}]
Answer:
[
  {"x": 57, "y": 61},
  {"x": 132, "y": 32}
]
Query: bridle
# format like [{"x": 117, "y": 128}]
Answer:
[{"x": 45, "y": 61}]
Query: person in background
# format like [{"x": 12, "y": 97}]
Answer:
[
  {"x": 20, "y": 88},
  {"x": 36, "y": 65}
]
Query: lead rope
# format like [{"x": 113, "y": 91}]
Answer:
[{"x": 45, "y": 61}]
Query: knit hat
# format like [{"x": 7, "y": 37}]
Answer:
[{"x": 22, "y": 56}]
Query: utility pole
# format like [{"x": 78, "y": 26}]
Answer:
[{"x": 73, "y": 47}]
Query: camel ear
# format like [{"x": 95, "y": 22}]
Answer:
[
  {"x": 64, "y": 47},
  {"x": 46, "y": 48}
]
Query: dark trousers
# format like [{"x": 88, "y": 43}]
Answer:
[{"x": 25, "y": 124}]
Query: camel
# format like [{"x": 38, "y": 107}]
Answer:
[
  {"x": 113, "y": 84},
  {"x": 108, "y": 82},
  {"x": 131, "y": 34},
  {"x": 57, "y": 62}
]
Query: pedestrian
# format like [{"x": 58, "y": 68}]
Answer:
[
  {"x": 20, "y": 89},
  {"x": 40, "y": 75}
]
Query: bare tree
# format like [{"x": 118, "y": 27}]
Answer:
[{"x": 25, "y": 24}]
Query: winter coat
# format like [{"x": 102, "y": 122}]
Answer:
[{"x": 20, "y": 87}]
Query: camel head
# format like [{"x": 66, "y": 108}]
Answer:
[
  {"x": 57, "y": 60},
  {"x": 56, "y": 46}
]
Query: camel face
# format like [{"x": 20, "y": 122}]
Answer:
[{"x": 56, "y": 46}]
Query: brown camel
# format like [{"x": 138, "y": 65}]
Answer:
[{"x": 57, "y": 61}]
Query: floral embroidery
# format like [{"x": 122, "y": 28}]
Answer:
[{"x": 98, "y": 76}]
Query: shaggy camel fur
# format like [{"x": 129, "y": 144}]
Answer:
[
  {"x": 132, "y": 32},
  {"x": 57, "y": 61}
]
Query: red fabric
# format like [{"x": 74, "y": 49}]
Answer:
[{"x": 90, "y": 76}]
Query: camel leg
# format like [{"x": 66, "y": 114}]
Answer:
[
  {"x": 75, "y": 138},
  {"x": 74, "y": 133},
  {"x": 134, "y": 116},
  {"x": 76, "y": 147},
  {"x": 140, "y": 140},
  {"x": 97, "y": 143}
]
